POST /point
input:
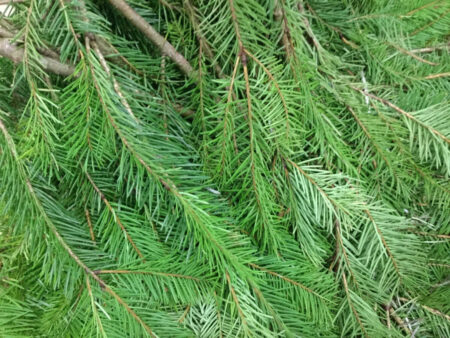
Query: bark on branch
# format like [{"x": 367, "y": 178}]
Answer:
[
  {"x": 164, "y": 46},
  {"x": 15, "y": 53}
]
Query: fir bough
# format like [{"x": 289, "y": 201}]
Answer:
[{"x": 225, "y": 168}]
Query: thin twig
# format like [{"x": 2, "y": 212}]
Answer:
[
  {"x": 401, "y": 111},
  {"x": 431, "y": 23},
  {"x": 88, "y": 219},
  {"x": 182, "y": 318},
  {"x": 227, "y": 111},
  {"x": 94, "y": 309},
  {"x": 429, "y": 309},
  {"x": 436, "y": 76},
  {"x": 429, "y": 49},
  {"x": 383, "y": 240},
  {"x": 414, "y": 56},
  {"x": 398, "y": 320},
  {"x": 420, "y": 8},
  {"x": 131, "y": 272},
  {"x": 347, "y": 292},
  {"x": 272, "y": 78},
  {"x": 115, "y": 216},
  {"x": 431, "y": 235},
  {"x": 233, "y": 294},
  {"x": 287, "y": 280},
  {"x": 115, "y": 83}
]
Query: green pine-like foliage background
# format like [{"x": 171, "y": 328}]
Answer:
[{"x": 282, "y": 171}]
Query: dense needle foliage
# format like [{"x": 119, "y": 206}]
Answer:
[{"x": 225, "y": 168}]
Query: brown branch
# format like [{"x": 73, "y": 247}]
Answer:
[
  {"x": 164, "y": 46},
  {"x": 16, "y": 54},
  {"x": 88, "y": 219},
  {"x": 242, "y": 56},
  {"x": 235, "y": 24},
  {"x": 308, "y": 28},
  {"x": 280, "y": 15},
  {"x": 431, "y": 235},
  {"x": 131, "y": 272},
  {"x": 435, "y": 76},
  {"x": 183, "y": 317},
  {"x": 429, "y": 49}
]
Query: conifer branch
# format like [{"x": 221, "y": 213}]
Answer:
[
  {"x": 287, "y": 280},
  {"x": 418, "y": 9},
  {"x": 94, "y": 307},
  {"x": 115, "y": 83},
  {"x": 436, "y": 76},
  {"x": 236, "y": 301},
  {"x": 429, "y": 49},
  {"x": 375, "y": 144},
  {"x": 244, "y": 220},
  {"x": 226, "y": 118},
  {"x": 340, "y": 244},
  {"x": 115, "y": 216},
  {"x": 275, "y": 83},
  {"x": 404, "y": 113},
  {"x": 383, "y": 240},
  {"x": 164, "y": 46},
  {"x": 425, "y": 307},
  {"x": 414, "y": 56},
  {"x": 398, "y": 320},
  {"x": 429, "y": 24},
  {"x": 61, "y": 240},
  {"x": 314, "y": 183},
  {"x": 347, "y": 292}
]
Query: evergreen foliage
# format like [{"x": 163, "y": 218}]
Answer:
[{"x": 225, "y": 168}]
